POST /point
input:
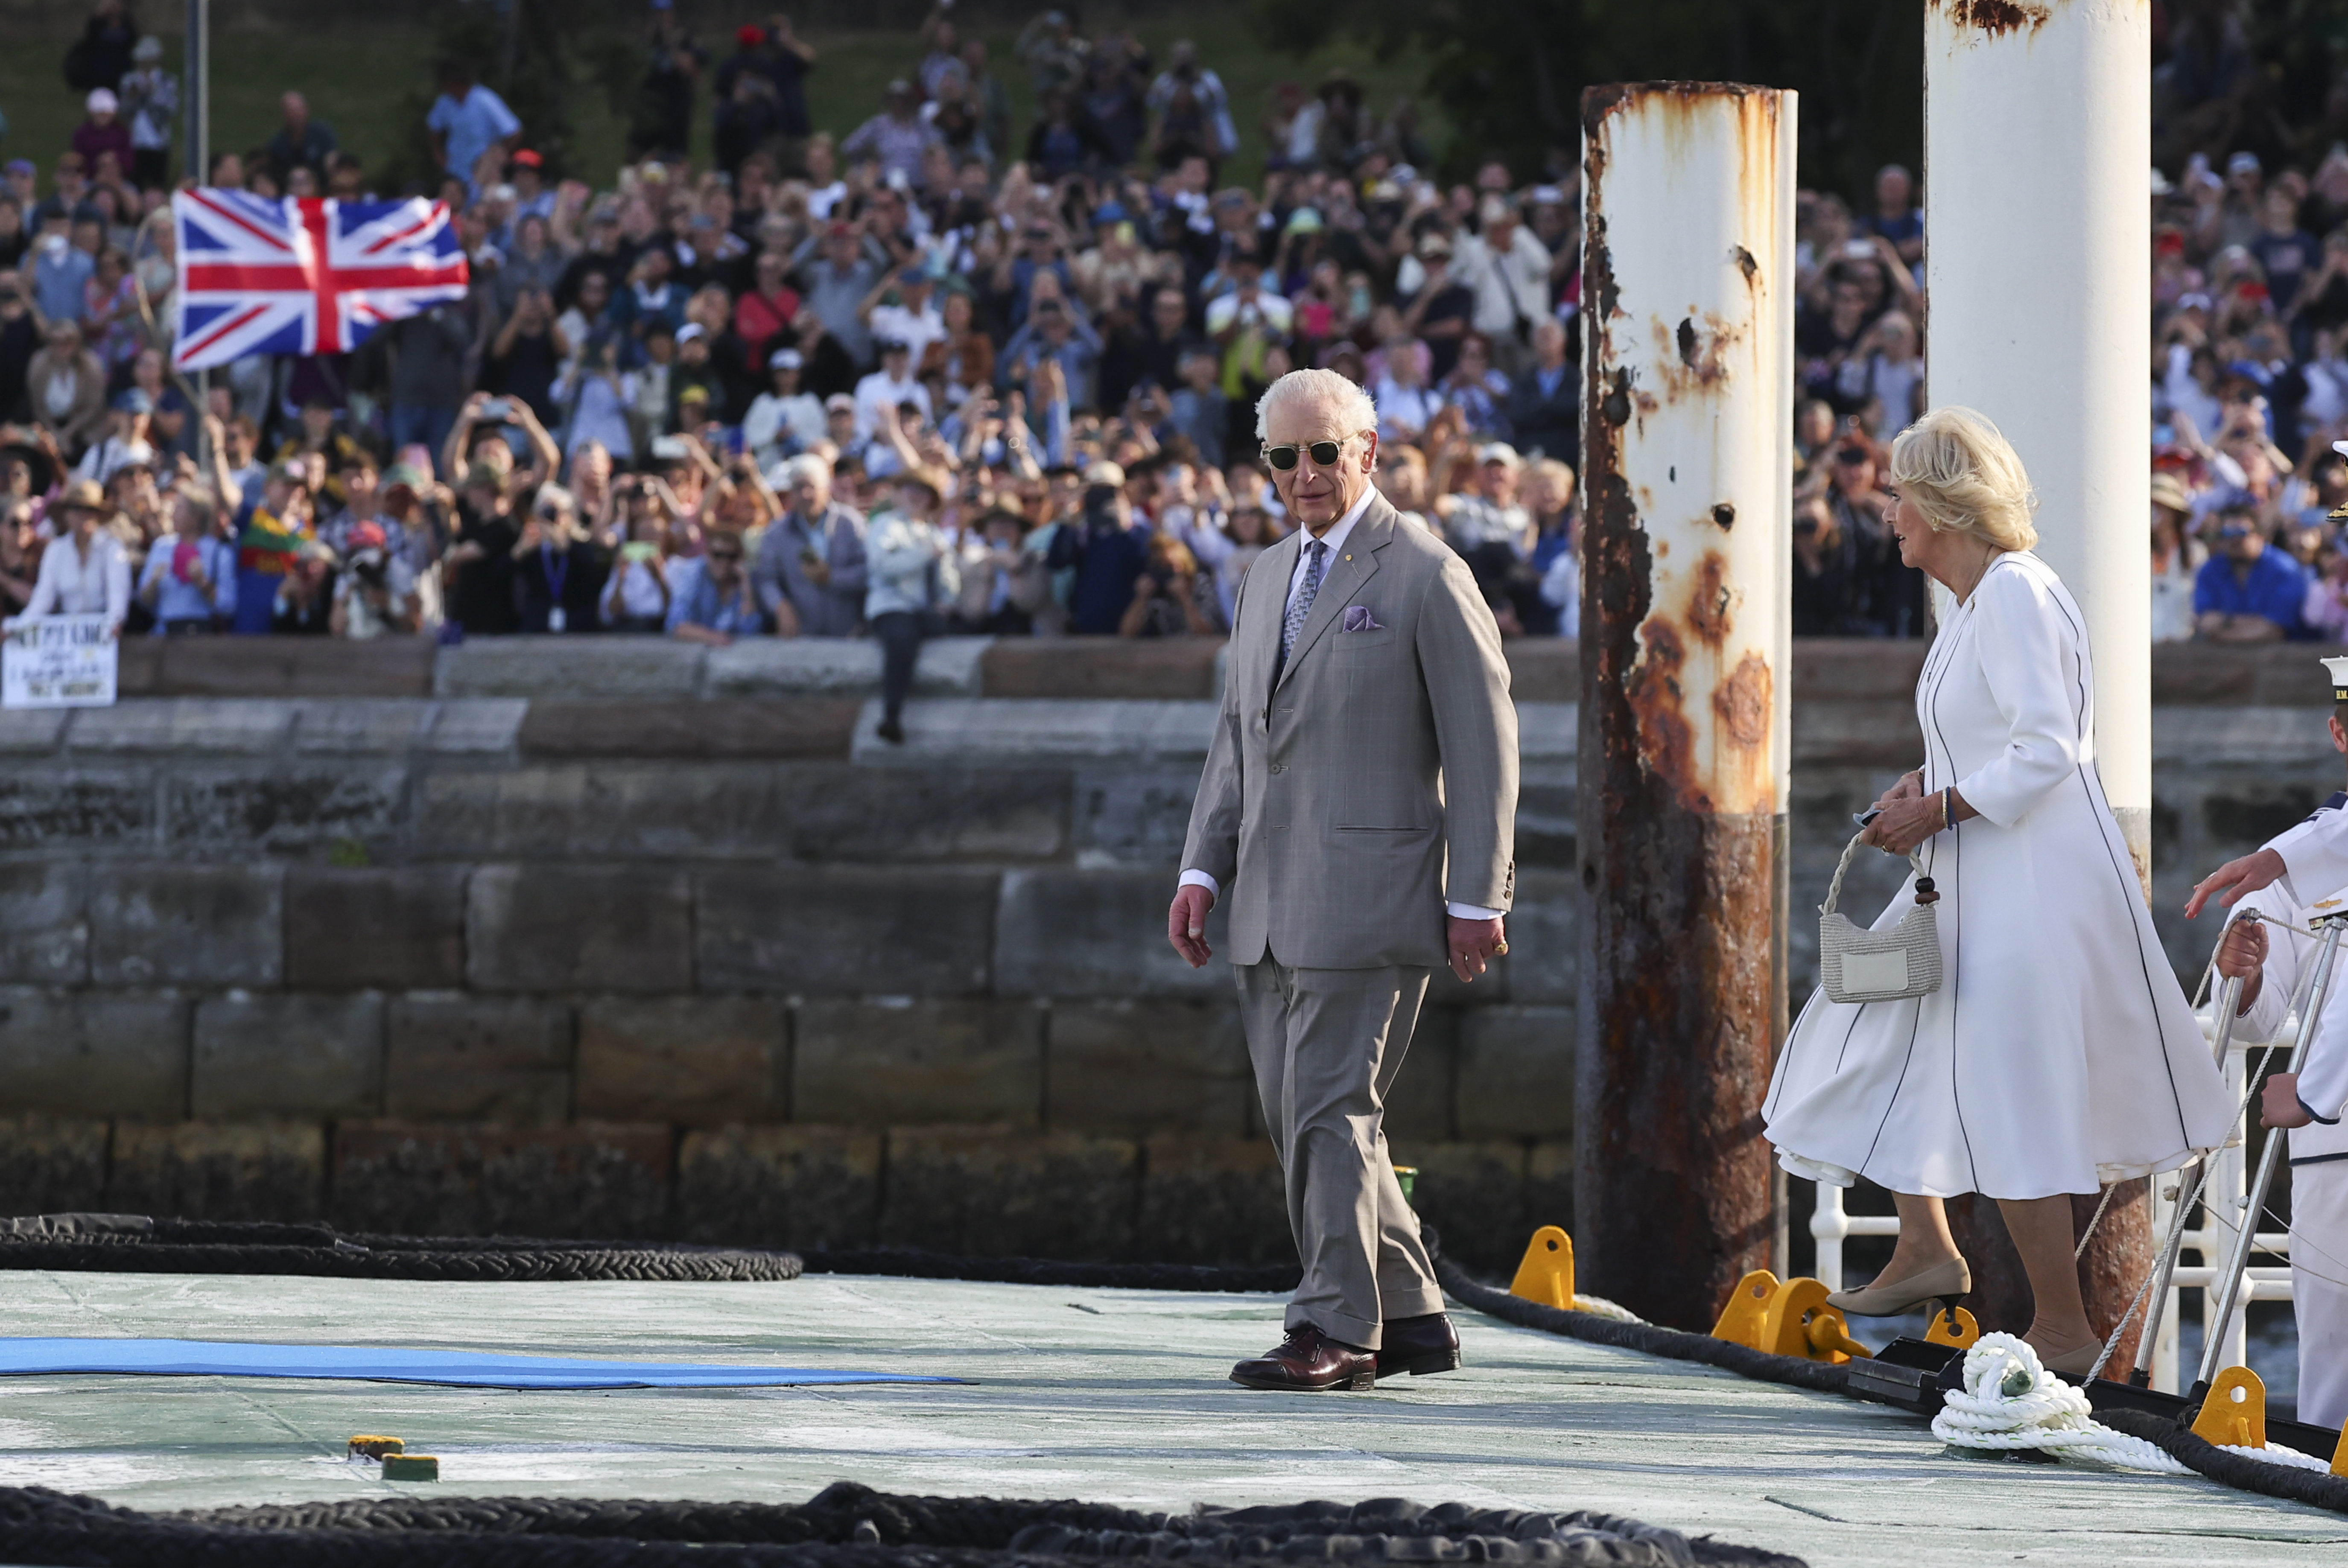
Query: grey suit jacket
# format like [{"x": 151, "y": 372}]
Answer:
[{"x": 1341, "y": 808}]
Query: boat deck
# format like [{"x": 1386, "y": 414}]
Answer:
[{"x": 1108, "y": 1396}]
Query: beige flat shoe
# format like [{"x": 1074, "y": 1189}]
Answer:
[{"x": 1941, "y": 1282}]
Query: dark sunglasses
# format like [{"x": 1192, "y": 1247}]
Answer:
[
  {"x": 1323, "y": 453},
  {"x": 725, "y": 555}
]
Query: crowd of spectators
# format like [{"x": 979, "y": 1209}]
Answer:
[
  {"x": 946, "y": 372},
  {"x": 939, "y": 372}
]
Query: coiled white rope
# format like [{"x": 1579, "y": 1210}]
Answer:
[{"x": 2010, "y": 1401}]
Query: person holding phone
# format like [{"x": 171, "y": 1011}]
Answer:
[{"x": 811, "y": 574}]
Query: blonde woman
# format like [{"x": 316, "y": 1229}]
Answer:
[{"x": 2058, "y": 1055}]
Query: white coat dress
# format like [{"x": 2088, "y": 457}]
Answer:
[{"x": 2059, "y": 1053}]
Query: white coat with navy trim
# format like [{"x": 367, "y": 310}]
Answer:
[{"x": 2059, "y": 1053}]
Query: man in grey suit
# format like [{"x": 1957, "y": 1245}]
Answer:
[{"x": 1358, "y": 813}]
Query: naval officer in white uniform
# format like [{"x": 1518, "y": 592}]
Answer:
[{"x": 2311, "y": 1102}]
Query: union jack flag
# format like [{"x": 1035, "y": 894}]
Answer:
[{"x": 304, "y": 275}]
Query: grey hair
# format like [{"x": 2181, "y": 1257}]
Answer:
[
  {"x": 1348, "y": 401},
  {"x": 807, "y": 468}
]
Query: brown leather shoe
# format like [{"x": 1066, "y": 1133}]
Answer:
[
  {"x": 1308, "y": 1359},
  {"x": 1419, "y": 1346}
]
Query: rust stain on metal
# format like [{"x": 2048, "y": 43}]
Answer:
[
  {"x": 1741, "y": 701},
  {"x": 1694, "y": 356},
  {"x": 1708, "y": 606},
  {"x": 1666, "y": 741},
  {"x": 1745, "y": 262},
  {"x": 1995, "y": 17}
]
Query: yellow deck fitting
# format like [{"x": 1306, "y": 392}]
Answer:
[
  {"x": 1788, "y": 1318},
  {"x": 2340, "y": 1452},
  {"x": 2234, "y": 1415},
  {"x": 1546, "y": 1276},
  {"x": 1954, "y": 1327},
  {"x": 368, "y": 1446},
  {"x": 411, "y": 1466}
]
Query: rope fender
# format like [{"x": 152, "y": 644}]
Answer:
[
  {"x": 1647, "y": 1338},
  {"x": 845, "y": 1526},
  {"x": 2318, "y": 1488}
]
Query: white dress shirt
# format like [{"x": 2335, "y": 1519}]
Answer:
[
  {"x": 70, "y": 586},
  {"x": 1335, "y": 538}
]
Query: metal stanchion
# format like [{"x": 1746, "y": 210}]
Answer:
[
  {"x": 2230, "y": 1001},
  {"x": 2224, "y": 1291}
]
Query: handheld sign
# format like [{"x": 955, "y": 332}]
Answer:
[{"x": 59, "y": 662}]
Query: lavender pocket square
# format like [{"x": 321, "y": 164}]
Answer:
[{"x": 1358, "y": 619}]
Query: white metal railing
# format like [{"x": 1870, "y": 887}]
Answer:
[{"x": 2224, "y": 1200}]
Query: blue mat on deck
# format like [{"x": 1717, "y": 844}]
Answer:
[{"x": 385, "y": 1364}]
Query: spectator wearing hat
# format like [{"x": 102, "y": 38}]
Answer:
[
  {"x": 784, "y": 419},
  {"x": 103, "y": 131},
  {"x": 190, "y": 580},
  {"x": 898, "y": 138},
  {"x": 695, "y": 376},
  {"x": 300, "y": 141},
  {"x": 2248, "y": 592},
  {"x": 467, "y": 123},
  {"x": 813, "y": 573},
  {"x": 1107, "y": 550},
  {"x": 85, "y": 570},
  {"x": 68, "y": 387},
  {"x": 914, "y": 575},
  {"x": 374, "y": 592},
  {"x": 1509, "y": 268},
  {"x": 2176, "y": 557},
  {"x": 1488, "y": 524},
  {"x": 150, "y": 103},
  {"x": 125, "y": 441}
]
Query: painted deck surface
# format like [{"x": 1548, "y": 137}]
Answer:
[{"x": 1111, "y": 1396}]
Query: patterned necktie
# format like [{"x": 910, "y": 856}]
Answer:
[{"x": 1315, "y": 552}]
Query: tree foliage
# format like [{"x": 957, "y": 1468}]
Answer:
[{"x": 1509, "y": 73}]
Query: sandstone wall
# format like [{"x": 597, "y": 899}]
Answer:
[{"x": 627, "y": 938}]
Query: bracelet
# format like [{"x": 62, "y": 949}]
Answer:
[{"x": 1944, "y": 809}]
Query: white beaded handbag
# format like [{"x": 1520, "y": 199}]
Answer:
[{"x": 1857, "y": 965}]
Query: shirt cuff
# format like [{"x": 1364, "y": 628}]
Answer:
[
  {"x": 1201, "y": 880},
  {"x": 1459, "y": 911},
  {"x": 2323, "y": 1121}
]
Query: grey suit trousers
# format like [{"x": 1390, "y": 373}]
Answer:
[{"x": 1326, "y": 1045}]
